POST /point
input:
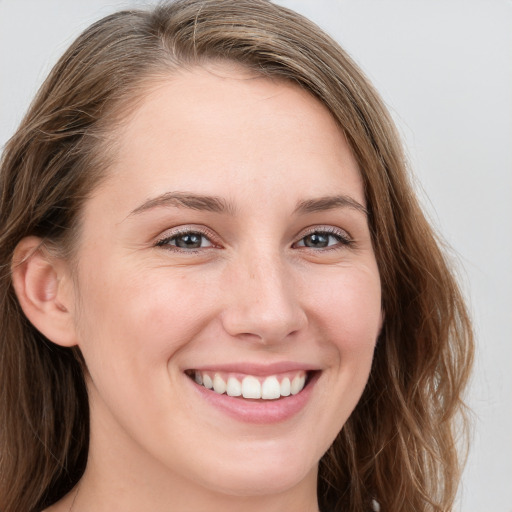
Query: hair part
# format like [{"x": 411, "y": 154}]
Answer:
[{"x": 399, "y": 446}]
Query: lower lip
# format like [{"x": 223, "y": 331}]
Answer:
[{"x": 259, "y": 411}]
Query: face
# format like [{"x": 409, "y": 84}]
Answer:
[{"x": 229, "y": 247}]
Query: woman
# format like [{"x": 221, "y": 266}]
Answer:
[{"x": 220, "y": 291}]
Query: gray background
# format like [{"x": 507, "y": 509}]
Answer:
[{"x": 444, "y": 69}]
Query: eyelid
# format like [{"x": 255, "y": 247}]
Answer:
[
  {"x": 346, "y": 238},
  {"x": 332, "y": 230},
  {"x": 185, "y": 230}
]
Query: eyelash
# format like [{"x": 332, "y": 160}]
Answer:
[
  {"x": 343, "y": 239},
  {"x": 205, "y": 234}
]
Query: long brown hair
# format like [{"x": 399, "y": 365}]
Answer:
[{"x": 399, "y": 446}]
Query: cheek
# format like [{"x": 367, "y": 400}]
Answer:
[
  {"x": 145, "y": 316},
  {"x": 345, "y": 305},
  {"x": 348, "y": 304},
  {"x": 131, "y": 327},
  {"x": 349, "y": 314}
]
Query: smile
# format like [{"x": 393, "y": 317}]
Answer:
[
  {"x": 271, "y": 387},
  {"x": 257, "y": 394}
]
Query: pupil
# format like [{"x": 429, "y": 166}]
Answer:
[
  {"x": 316, "y": 240},
  {"x": 190, "y": 241}
]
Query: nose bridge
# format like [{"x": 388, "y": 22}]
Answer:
[{"x": 264, "y": 302}]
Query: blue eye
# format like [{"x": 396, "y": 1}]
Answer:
[
  {"x": 189, "y": 240},
  {"x": 323, "y": 240}
]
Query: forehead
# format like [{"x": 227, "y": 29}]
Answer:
[
  {"x": 222, "y": 127},
  {"x": 211, "y": 96}
]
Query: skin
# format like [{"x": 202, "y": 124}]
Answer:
[{"x": 143, "y": 313}]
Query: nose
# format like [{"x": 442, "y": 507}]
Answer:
[{"x": 264, "y": 301}]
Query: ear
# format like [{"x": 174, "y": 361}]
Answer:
[{"x": 43, "y": 285}]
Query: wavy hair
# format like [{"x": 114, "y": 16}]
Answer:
[{"x": 400, "y": 445}]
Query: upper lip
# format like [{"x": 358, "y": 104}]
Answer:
[{"x": 257, "y": 369}]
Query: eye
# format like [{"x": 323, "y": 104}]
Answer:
[
  {"x": 186, "y": 240},
  {"x": 324, "y": 239}
]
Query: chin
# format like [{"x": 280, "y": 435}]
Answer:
[
  {"x": 261, "y": 483},
  {"x": 270, "y": 472}
]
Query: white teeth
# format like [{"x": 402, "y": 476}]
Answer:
[
  {"x": 207, "y": 382},
  {"x": 251, "y": 387},
  {"x": 285, "y": 387},
  {"x": 297, "y": 384},
  {"x": 234, "y": 388},
  {"x": 219, "y": 386},
  {"x": 270, "y": 388}
]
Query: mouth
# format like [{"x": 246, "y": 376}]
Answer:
[
  {"x": 252, "y": 387},
  {"x": 254, "y": 393}
]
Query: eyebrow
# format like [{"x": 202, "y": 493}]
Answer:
[
  {"x": 219, "y": 205},
  {"x": 187, "y": 200},
  {"x": 329, "y": 203}
]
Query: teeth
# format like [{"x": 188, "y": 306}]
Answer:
[
  {"x": 285, "y": 387},
  {"x": 207, "y": 382},
  {"x": 234, "y": 388},
  {"x": 268, "y": 388},
  {"x": 297, "y": 384},
  {"x": 219, "y": 386},
  {"x": 251, "y": 387}
]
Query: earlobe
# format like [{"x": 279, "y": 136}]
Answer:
[{"x": 43, "y": 286}]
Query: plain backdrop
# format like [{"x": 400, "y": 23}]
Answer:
[{"x": 444, "y": 68}]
